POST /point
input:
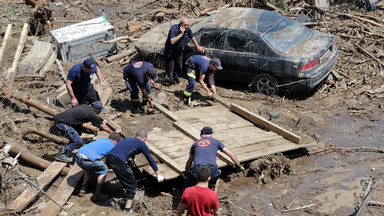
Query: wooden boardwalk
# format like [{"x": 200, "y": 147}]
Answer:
[{"x": 238, "y": 133}]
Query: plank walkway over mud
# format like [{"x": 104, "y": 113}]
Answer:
[{"x": 238, "y": 132}]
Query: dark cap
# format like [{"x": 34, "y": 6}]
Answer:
[
  {"x": 152, "y": 73},
  {"x": 99, "y": 106},
  {"x": 206, "y": 130},
  {"x": 216, "y": 62},
  {"x": 90, "y": 65}
]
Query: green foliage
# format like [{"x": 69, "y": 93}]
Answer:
[
  {"x": 278, "y": 3},
  {"x": 14, "y": 12},
  {"x": 292, "y": 168}
]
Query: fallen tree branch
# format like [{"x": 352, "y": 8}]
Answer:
[
  {"x": 57, "y": 139},
  {"x": 368, "y": 53},
  {"x": 299, "y": 208},
  {"x": 368, "y": 149},
  {"x": 122, "y": 38},
  {"x": 241, "y": 209},
  {"x": 374, "y": 203}
]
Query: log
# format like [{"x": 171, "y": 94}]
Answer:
[
  {"x": 43, "y": 108},
  {"x": 120, "y": 55},
  {"x": 33, "y": 160},
  {"x": 57, "y": 139},
  {"x": 5, "y": 40},
  {"x": 36, "y": 3},
  {"x": 20, "y": 47}
]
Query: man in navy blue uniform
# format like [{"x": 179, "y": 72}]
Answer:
[
  {"x": 203, "y": 153},
  {"x": 141, "y": 75},
  {"x": 79, "y": 85},
  {"x": 198, "y": 67},
  {"x": 117, "y": 160},
  {"x": 178, "y": 37}
]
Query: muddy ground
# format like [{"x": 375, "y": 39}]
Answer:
[{"x": 345, "y": 112}]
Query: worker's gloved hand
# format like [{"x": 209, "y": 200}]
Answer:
[
  {"x": 239, "y": 167},
  {"x": 160, "y": 178}
]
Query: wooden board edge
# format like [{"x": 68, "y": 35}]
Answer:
[{"x": 265, "y": 123}]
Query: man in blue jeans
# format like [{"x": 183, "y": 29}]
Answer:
[
  {"x": 89, "y": 157},
  {"x": 117, "y": 160},
  {"x": 203, "y": 153},
  {"x": 141, "y": 75},
  {"x": 70, "y": 123}
]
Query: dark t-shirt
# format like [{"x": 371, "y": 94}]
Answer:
[
  {"x": 136, "y": 71},
  {"x": 200, "y": 63},
  {"x": 205, "y": 150},
  {"x": 174, "y": 31},
  {"x": 81, "y": 81},
  {"x": 79, "y": 115},
  {"x": 129, "y": 147}
]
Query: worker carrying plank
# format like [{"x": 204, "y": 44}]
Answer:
[
  {"x": 79, "y": 85},
  {"x": 117, "y": 160},
  {"x": 198, "y": 66},
  {"x": 141, "y": 75},
  {"x": 203, "y": 153},
  {"x": 70, "y": 122},
  {"x": 89, "y": 157}
]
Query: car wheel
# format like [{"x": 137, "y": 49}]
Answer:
[
  {"x": 265, "y": 84},
  {"x": 157, "y": 61}
]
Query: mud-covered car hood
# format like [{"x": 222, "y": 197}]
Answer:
[{"x": 153, "y": 41}]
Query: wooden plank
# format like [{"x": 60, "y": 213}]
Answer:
[
  {"x": 165, "y": 159},
  {"x": 64, "y": 191},
  {"x": 265, "y": 123},
  {"x": 167, "y": 113},
  {"x": 20, "y": 47},
  {"x": 5, "y": 40},
  {"x": 43, "y": 180},
  {"x": 268, "y": 151}
]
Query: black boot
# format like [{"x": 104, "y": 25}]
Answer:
[{"x": 63, "y": 155}]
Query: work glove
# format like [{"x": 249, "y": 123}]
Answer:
[
  {"x": 239, "y": 167},
  {"x": 160, "y": 178}
]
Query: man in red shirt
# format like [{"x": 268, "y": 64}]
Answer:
[{"x": 200, "y": 199}]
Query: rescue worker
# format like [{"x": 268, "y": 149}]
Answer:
[
  {"x": 117, "y": 159},
  {"x": 79, "y": 85},
  {"x": 178, "y": 37},
  {"x": 141, "y": 75},
  {"x": 89, "y": 158},
  {"x": 69, "y": 123},
  {"x": 198, "y": 67},
  {"x": 203, "y": 153}
]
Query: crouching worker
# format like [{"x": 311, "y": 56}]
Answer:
[
  {"x": 141, "y": 75},
  {"x": 203, "y": 153},
  {"x": 89, "y": 157},
  {"x": 200, "y": 199},
  {"x": 70, "y": 123},
  {"x": 117, "y": 160}
]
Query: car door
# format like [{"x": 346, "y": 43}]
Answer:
[{"x": 240, "y": 55}]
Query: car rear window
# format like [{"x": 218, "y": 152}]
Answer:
[{"x": 286, "y": 35}]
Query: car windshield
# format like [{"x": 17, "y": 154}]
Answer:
[{"x": 286, "y": 35}]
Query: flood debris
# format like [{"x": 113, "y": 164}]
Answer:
[{"x": 265, "y": 170}]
